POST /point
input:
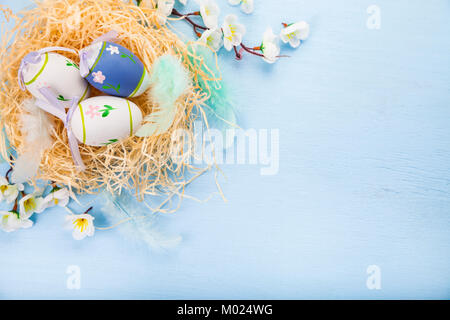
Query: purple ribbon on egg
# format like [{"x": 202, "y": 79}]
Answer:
[
  {"x": 84, "y": 54},
  {"x": 56, "y": 108},
  {"x": 35, "y": 57}
]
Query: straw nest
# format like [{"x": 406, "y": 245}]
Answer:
[{"x": 140, "y": 164}]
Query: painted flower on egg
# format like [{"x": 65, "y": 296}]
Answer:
[
  {"x": 98, "y": 77},
  {"x": 93, "y": 111},
  {"x": 113, "y": 49}
]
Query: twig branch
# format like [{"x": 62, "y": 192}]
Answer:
[{"x": 175, "y": 12}]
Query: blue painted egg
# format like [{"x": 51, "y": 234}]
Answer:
[{"x": 115, "y": 70}]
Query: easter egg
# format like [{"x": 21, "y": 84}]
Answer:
[
  {"x": 58, "y": 73},
  {"x": 115, "y": 70},
  {"x": 103, "y": 120}
]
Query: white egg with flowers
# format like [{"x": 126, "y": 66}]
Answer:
[
  {"x": 57, "y": 73},
  {"x": 103, "y": 120}
]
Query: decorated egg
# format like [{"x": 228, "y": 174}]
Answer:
[
  {"x": 114, "y": 70},
  {"x": 55, "y": 72},
  {"x": 103, "y": 120}
]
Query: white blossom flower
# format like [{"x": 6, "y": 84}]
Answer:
[
  {"x": 9, "y": 192},
  {"x": 164, "y": 8},
  {"x": 232, "y": 32},
  {"x": 82, "y": 225},
  {"x": 209, "y": 10},
  {"x": 270, "y": 46},
  {"x": 58, "y": 197},
  {"x": 247, "y": 6},
  {"x": 30, "y": 204},
  {"x": 11, "y": 221},
  {"x": 213, "y": 38},
  {"x": 294, "y": 33}
]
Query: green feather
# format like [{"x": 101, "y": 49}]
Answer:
[
  {"x": 170, "y": 80},
  {"x": 220, "y": 109}
]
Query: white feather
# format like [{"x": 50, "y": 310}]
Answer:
[
  {"x": 139, "y": 225},
  {"x": 36, "y": 127},
  {"x": 159, "y": 121}
]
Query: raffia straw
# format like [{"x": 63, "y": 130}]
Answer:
[{"x": 140, "y": 164}]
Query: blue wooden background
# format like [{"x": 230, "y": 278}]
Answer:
[{"x": 364, "y": 176}]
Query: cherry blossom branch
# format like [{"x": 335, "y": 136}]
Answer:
[
  {"x": 196, "y": 13},
  {"x": 197, "y": 27},
  {"x": 15, "y": 205},
  {"x": 238, "y": 54},
  {"x": 249, "y": 50},
  {"x": 175, "y": 12},
  {"x": 7, "y": 174}
]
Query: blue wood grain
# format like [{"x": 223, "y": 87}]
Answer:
[{"x": 364, "y": 176}]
